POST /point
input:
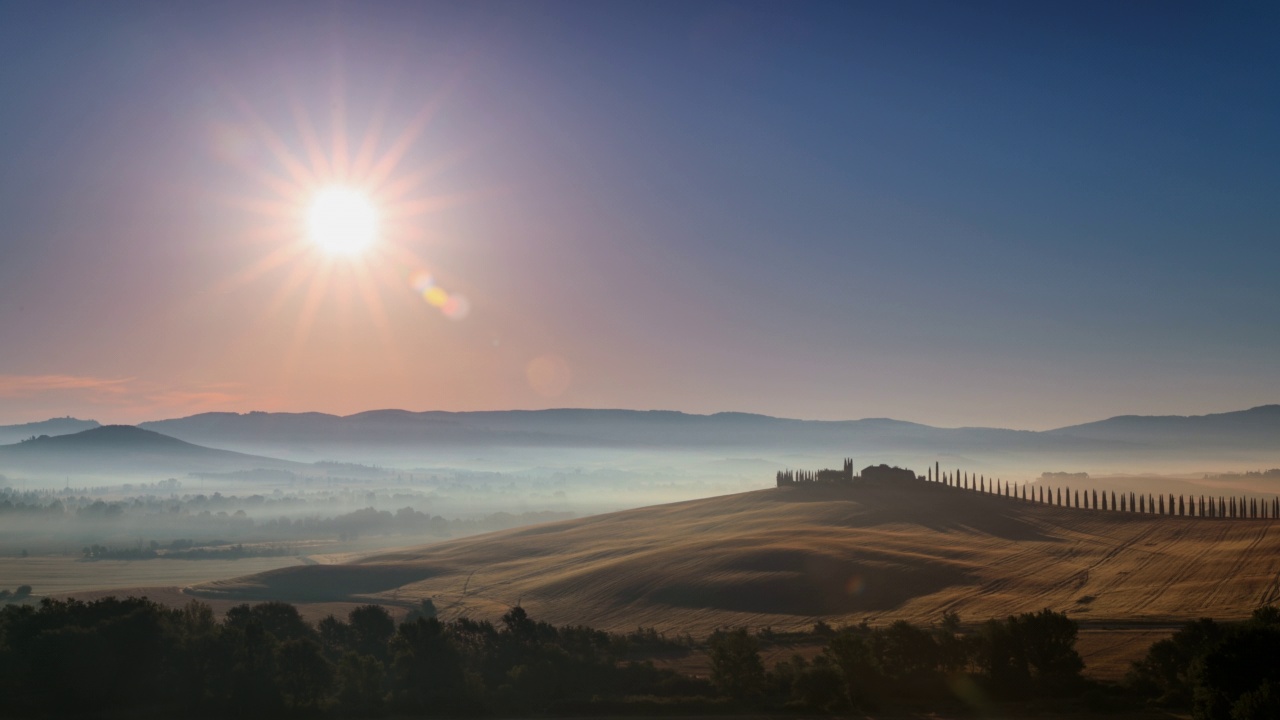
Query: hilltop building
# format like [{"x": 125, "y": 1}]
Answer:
[{"x": 845, "y": 476}]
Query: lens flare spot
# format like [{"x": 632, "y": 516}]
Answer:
[
  {"x": 548, "y": 375},
  {"x": 456, "y": 308},
  {"x": 855, "y": 585},
  {"x": 436, "y": 297},
  {"x": 422, "y": 282},
  {"x": 451, "y": 305}
]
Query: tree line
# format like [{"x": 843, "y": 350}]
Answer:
[
  {"x": 132, "y": 657},
  {"x": 1092, "y": 499}
]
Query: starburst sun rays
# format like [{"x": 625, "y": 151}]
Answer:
[{"x": 343, "y": 224}]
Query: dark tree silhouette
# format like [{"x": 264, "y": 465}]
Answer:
[
  {"x": 371, "y": 629},
  {"x": 735, "y": 662}
]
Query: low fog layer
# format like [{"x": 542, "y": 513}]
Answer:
[{"x": 225, "y": 485}]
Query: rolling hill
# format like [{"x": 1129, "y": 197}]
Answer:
[
  {"x": 785, "y": 557},
  {"x": 125, "y": 449}
]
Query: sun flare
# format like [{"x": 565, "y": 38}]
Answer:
[
  {"x": 342, "y": 221},
  {"x": 340, "y": 227}
]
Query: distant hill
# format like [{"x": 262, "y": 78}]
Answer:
[
  {"x": 124, "y": 449},
  {"x": 583, "y": 428},
  {"x": 1244, "y": 436},
  {"x": 789, "y": 556},
  {"x": 1256, "y": 427},
  {"x": 56, "y": 426}
]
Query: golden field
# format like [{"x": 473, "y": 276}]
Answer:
[{"x": 788, "y": 557}]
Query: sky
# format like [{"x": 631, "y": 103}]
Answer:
[{"x": 1005, "y": 214}]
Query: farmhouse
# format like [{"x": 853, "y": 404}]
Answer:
[{"x": 845, "y": 476}]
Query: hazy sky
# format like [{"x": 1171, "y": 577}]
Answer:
[{"x": 1015, "y": 214}]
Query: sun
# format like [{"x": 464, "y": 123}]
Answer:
[
  {"x": 342, "y": 221},
  {"x": 340, "y": 224}
]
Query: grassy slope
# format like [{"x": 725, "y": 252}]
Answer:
[{"x": 786, "y": 557}]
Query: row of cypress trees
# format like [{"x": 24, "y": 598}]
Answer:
[{"x": 1092, "y": 499}]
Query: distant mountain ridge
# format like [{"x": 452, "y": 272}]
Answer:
[
  {"x": 1251, "y": 435},
  {"x": 1254, "y": 430},
  {"x": 1259, "y": 424}
]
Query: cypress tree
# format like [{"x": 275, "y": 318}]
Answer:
[
  {"x": 1182, "y": 509},
  {"x": 1142, "y": 503},
  {"x": 1113, "y": 499},
  {"x": 1077, "y": 498},
  {"x": 1161, "y": 503}
]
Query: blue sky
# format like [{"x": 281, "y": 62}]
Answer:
[{"x": 1017, "y": 214}]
